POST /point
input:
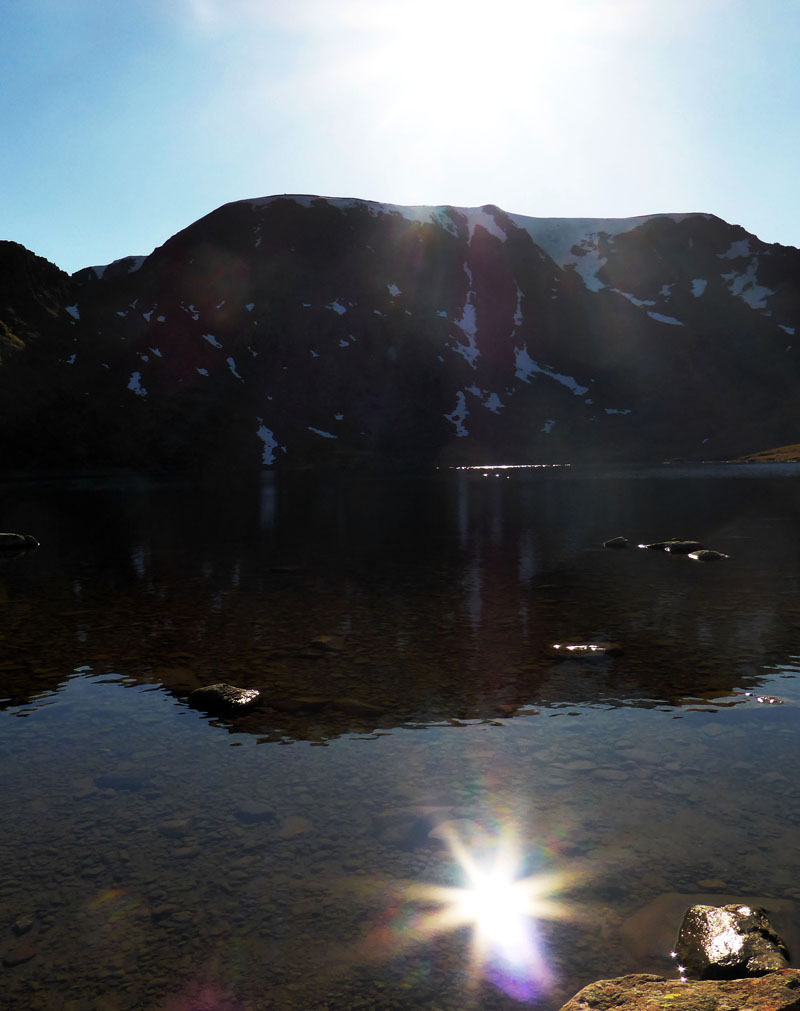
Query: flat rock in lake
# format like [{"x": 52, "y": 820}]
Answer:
[
  {"x": 223, "y": 698},
  {"x": 777, "y": 991},
  {"x": 586, "y": 652}
]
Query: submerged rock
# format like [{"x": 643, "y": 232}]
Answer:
[
  {"x": 728, "y": 942},
  {"x": 777, "y": 991},
  {"x": 223, "y": 698},
  {"x": 616, "y": 542}
]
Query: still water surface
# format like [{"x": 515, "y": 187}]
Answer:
[{"x": 315, "y": 853}]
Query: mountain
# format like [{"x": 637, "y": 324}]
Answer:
[{"x": 308, "y": 331}]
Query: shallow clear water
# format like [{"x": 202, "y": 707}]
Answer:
[{"x": 401, "y": 634}]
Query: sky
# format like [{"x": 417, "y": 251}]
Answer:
[{"x": 123, "y": 122}]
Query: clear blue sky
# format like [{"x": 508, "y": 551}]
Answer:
[{"x": 122, "y": 121}]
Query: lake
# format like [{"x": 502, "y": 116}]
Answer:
[{"x": 420, "y": 751}]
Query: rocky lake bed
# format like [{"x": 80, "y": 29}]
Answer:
[{"x": 300, "y": 853}]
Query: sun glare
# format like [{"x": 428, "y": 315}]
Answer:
[{"x": 501, "y": 908}]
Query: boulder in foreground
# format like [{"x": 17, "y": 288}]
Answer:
[
  {"x": 776, "y": 991},
  {"x": 727, "y": 942}
]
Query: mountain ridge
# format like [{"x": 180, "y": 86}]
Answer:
[{"x": 301, "y": 330}]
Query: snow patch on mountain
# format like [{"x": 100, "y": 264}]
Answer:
[
  {"x": 525, "y": 367},
  {"x": 319, "y": 431},
  {"x": 698, "y": 286},
  {"x": 468, "y": 325},
  {"x": 660, "y": 318},
  {"x": 135, "y": 384},
  {"x": 632, "y": 298},
  {"x": 212, "y": 340},
  {"x": 459, "y": 415},
  {"x": 270, "y": 443},
  {"x": 737, "y": 250},
  {"x": 73, "y": 311},
  {"x": 746, "y": 287},
  {"x": 478, "y": 216},
  {"x": 232, "y": 367},
  {"x": 518, "y": 309},
  {"x": 573, "y": 242}
]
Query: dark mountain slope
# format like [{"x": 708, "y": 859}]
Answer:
[{"x": 305, "y": 331}]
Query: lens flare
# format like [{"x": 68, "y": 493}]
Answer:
[{"x": 502, "y": 909}]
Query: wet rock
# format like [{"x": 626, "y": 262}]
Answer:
[
  {"x": 223, "y": 698},
  {"x": 17, "y": 542},
  {"x": 683, "y": 547},
  {"x": 616, "y": 542},
  {"x": 649, "y": 933},
  {"x": 657, "y": 545},
  {"x": 728, "y": 942},
  {"x": 777, "y": 991},
  {"x": 706, "y": 555},
  {"x": 585, "y": 652}
]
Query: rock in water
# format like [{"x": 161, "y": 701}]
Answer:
[
  {"x": 17, "y": 542},
  {"x": 777, "y": 991},
  {"x": 586, "y": 652},
  {"x": 223, "y": 698},
  {"x": 706, "y": 555},
  {"x": 728, "y": 942},
  {"x": 683, "y": 547},
  {"x": 616, "y": 542}
]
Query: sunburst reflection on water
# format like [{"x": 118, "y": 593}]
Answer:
[{"x": 496, "y": 901}]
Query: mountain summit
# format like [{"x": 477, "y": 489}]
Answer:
[{"x": 305, "y": 330}]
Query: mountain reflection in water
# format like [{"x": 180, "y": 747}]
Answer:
[{"x": 407, "y": 624}]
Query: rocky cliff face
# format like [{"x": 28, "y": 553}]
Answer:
[{"x": 302, "y": 330}]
